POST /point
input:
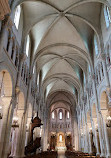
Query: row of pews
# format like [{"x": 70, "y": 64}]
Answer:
[
  {"x": 45, "y": 154},
  {"x": 70, "y": 154}
]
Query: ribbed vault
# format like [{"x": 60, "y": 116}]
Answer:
[{"x": 62, "y": 33}]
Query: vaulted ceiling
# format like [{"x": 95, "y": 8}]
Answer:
[{"x": 62, "y": 33}]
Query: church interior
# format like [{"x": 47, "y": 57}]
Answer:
[{"x": 55, "y": 78}]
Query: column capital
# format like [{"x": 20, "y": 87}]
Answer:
[
  {"x": 102, "y": 56},
  {"x": 8, "y": 22},
  {"x": 99, "y": 112},
  {"x": 87, "y": 88},
  {"x": 93, "y": 76},
  {"x": 22, "y": 57}
]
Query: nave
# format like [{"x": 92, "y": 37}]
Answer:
[
  {"x": 55, "y": 78},
  {"x": 61, "y": 154}
]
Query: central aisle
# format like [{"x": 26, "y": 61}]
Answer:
[{"x": 61, "y": 154}]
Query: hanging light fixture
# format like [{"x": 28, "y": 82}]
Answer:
[
  {"x": 108, "y": 123},
  {"x": 27, "y": 127},
  {"x": 109, "y": 118},
  {"x": 82, "y": 134},
  {"x": 15, "y": 123},
  {"x": 1, "y": 114},
  {"x": 40, "y": 131},
  {"x": 90, "y": 128}
]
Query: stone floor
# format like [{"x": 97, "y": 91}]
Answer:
[{"x": 61, "y": 154}]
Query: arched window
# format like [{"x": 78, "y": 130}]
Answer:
[
  {"x": 17, "y": 16},
  {"x": 84, "y": 79},
  {"x": 68, "y": 114},
  {"x": 60, "y": 138},
  {"x": 60, "y": 115},
  {"x": 38, "y": 79},
  {"x": 107, "y": 16},
  {"x": 96, "y": 45},
  {"x": 33, "y": 69},
  {"x": 52, "y": 115},
  {"x": 27, "y": 45},
  {"x": 89, "y": 69}
]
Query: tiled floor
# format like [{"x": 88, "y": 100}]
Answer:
[{"x": 61, "y": 154}]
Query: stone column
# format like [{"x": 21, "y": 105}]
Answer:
[
  {"x": 95, "y": 134},
  {"x": 20, "y": 119},
  {"x": 7, "y": 120},
  {"x": 73, "y": 127},
  {"x": 98, "y": 74},
  {"x": 14, "y": 54},
  {"x": 84, "y": 140},
  {"x": 108, "y": 151},
  {"x": 101, "y": 134},
  {"x": 98, "y": 118},
  {"x": 103, "y": 57},
  {"x": 88, "y": 139},
  {"x": 101, "y": 70},
  {"x": 14, "y": 140},
  {"x": 4, "y": 124},
  {"x": 90, "y": 145},
  {"x": 3, "y": 38},
  {"x": 88, "y": 130},
  {"x": 6, "y": 28},
  {"x": 10, "y": 46},
  {"x": 22, "y": 58},
  {"x": 78, "y": 128},
  {"x": 27, "y": 136},
  {"x": 76, "y": 135},
  {"x": 45, "y": 133},
  {"x": 21, "y": 136}
]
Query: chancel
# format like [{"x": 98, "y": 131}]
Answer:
[{"x": 55, "y": 78}]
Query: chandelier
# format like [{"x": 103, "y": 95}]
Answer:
[
  {"x": 108, "y": 123},
  {"x": 15, "y": 123}
]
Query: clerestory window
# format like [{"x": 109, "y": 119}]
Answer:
[
  {"x": 60, "y": 115},
  {"x": 17, "y": 16},
  {"x": 96, "y": 45},
  {"x": 68, "y": 114},
  {"x": 52, "y": 115},
  {"x": 107, "y": 16},
  {"x": 27, "y": 45}
]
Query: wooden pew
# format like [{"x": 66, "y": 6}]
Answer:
[
  {"x": 46, "y": 154},
  {"x": 70, "y": 154}
]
